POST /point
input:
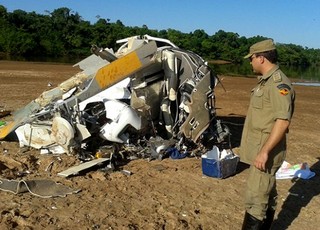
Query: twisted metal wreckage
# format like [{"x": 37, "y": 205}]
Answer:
[{"x": 141, "y": 100}]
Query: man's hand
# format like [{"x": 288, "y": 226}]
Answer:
[{"x": 261, "y": 160}]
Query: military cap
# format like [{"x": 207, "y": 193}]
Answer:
[{"x": 260, "y": 47}]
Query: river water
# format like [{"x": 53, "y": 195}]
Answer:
[{"x": 310, "y": 74}]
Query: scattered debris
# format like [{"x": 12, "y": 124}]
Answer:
[
  {"x": 75, "y": 170},
  {"x": 49, "y": 167},
  {"x": 126, "y": 172},
  {"x": 4, "y": 113},
  {"x": 41, "y": 188},
  {"x": 288, "y": 171},
  {"x": 9, "y": 162}
]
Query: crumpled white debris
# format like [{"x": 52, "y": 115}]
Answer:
[{"x": 288, "y": 171}]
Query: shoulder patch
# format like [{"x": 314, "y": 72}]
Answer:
[
  {"x": 283, "y": 89},
  {"x": 277, "y": 77}
]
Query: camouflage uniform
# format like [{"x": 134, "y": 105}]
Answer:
[{"x": 271, "y": 99}]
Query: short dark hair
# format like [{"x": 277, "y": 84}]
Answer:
[{"x": 271, "y": 55}]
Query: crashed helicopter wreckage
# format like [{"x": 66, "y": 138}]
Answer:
[{"x": 145, "y": 97}]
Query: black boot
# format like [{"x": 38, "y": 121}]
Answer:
[
  {"x": 267, "y": 222},
  {"x": 251, "y": 223}
]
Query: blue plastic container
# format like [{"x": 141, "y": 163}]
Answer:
[{"x": 219, "y": 168}]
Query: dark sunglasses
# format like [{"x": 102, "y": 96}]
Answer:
[{"x": 253, "y": 57}]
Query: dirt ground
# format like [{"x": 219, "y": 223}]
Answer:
[{"x": 167, "y": 194}]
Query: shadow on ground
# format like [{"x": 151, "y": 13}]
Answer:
[{"x": 300, "y": 195}]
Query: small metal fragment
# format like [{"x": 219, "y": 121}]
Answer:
[
  {"x": 126, "y": 172},
  {"x": 49, "y": 167}
]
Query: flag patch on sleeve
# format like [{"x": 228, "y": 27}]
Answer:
[{"x": 283, "y": 89}]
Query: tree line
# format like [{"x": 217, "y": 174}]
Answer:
[{"x": 64, "y": 33}]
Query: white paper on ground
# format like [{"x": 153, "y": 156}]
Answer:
[{"x": 288, "y": 171}]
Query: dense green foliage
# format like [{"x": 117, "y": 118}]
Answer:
[{"x": 63, "y": 33}]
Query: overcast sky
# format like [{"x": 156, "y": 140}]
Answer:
[{"x": 286, "y": 21}]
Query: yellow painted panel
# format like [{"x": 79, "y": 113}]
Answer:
[
  {"x": 118, "y": 69},
  {"x": 4, "y": 131}
]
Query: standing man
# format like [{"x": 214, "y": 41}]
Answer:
[{"x": 263, "y": 143}]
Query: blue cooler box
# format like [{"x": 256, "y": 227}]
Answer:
[{"x": 219, "y": 168}]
